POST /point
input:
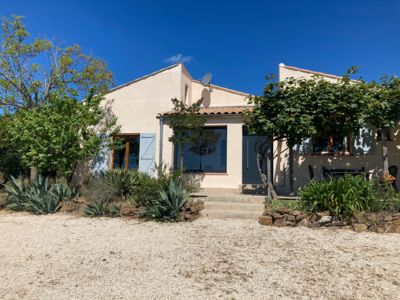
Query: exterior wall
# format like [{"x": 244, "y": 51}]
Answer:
[
  {"x": 371, "y": 161},
  {"x": 219, "y": 96},
  {"x": 137, "y": 105},
  {"x": 233, "y": 176}
]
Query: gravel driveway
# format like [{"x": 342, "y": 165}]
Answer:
[{"x": 65, "y": 257}]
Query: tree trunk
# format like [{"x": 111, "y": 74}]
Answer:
[
  {"x": 33, "y": 173},
  {"x": 291, "y": 162},
  {"x": 181, "y": 157},
  {"x": 384, "y": 152},
  {"x": 266, "y": 154}
]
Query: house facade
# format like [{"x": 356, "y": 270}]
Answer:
[{"x": 229, "y": 161}]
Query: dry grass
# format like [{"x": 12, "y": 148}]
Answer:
[{"x": 64, "y": 257}]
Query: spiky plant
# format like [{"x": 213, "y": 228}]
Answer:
[{"x": 167, "y": 207}]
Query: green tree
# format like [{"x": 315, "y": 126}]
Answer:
[
  {"x": 10, "y": 163},
  {"x": 383, "y": 110},
  {"x": 297, "y": 109},
  {"x": 186, "y": 123},
  {"x": 31, "y": 70},
  {"x": 34, "y": 70},
  {"x": 62, "y": 133}
]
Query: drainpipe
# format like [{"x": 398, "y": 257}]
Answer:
[{"x": 160, "y": 158}]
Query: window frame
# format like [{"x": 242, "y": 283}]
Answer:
[
  {"x": 346, "y": 152},
  {"x": 126, "y": 154},
  {"x": 219, "y": 172}
]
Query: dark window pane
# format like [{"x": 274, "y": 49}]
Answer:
[
  {"x": 208, "y": 155},
  {"x": 133, "y": 155}
]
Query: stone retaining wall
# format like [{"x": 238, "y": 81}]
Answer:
[{"x": 375, "y": 222}]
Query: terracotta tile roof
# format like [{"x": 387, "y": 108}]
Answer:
[{"x": 220, "y": 110}]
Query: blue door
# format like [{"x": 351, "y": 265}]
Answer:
[{"x": 252, "y": 144}]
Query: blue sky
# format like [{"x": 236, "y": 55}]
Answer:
[{"x": 238, "y": 41}]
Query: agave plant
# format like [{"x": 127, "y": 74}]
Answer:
[
  {"x": 17, "y": 198},
  {"x": 167, "y": 207},
  {"x": 102, "y": 209},
  {"x": 39, "y": 197},
  {"x": 123, "y": 181}
]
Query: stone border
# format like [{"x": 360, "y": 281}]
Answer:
[{"x": 380, "y": 222}]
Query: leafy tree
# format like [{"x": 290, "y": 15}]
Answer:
[
  {"x": 186, "y": 123},
  {"x": 35, "y": 70},
  {"x": 10, "y": 164},
  {"x": 383, "y": 110},
  {"x": 58, "y": 135},
  {"x": 297, "y": 109},
  {"x": 32, "y": 70}
]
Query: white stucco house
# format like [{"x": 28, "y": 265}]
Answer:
[{"x": 230, "y": 162}]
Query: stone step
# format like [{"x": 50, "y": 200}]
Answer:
[
  {"x": 234, "y": 206},
  {"x": 231, "y": 214},
  {"x": 235, "y": 198}
]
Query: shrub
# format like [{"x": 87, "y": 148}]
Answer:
[
  {"x": 342, "y": 197},
  {"x": 38, "y": 197},
  {"x": 102, "y": 209},
  {"x": 145, "y": 189},
  {"x": 121, "y": 180},
  {"x": 99, "y": 190},
  {"x": 169, "y": 203}
]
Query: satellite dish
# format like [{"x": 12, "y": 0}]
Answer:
[{"x": 206, "y": 80}]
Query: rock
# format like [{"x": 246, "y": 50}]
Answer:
[
  {"x": 127, "y": 208},
  {"x": 347, "y": 227},
  {"x": 304, "y": 222},
  {"x": 291, "y": 218},
  {"x": 380, "y": 229},
  {"x": 290, "y": 223},
  {"x": 359, "y": 227},
  {"x": 313, "y": 225},
  {"x": 388, "y": 218},
  {"x": 301, "y": 217},
  {"x": 313, "y": 218},
  {"x": 324, "y": 220},
  {"x": 265, "y": 220},
  {"x": 339, "y": 223},
  {"x": 394, "y": 228},
  {"x": 372, "y": 228},
  {"x": 296, "y": 212},
  {"x": 277, "y": 216},
  {"x": 396, "y": 221},
  {"x": 283, "y": 211},
  {"x": 323, "y": 213},
  {"x": 279, "y": 222}
]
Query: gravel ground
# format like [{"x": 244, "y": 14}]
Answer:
[{"x": 65, "y": 257}]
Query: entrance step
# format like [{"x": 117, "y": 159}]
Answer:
[
  {"x": 230, "y": 214},
  {"x": 222, "y": 204}
]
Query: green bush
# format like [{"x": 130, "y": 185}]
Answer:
[
  {"x": 169, "y": 203},
  {"x": 38, "y": 197},
  {"x": 102, "y": 209},
  {"x": 123, "y": 181},
  {"x": 342, "y": 197},
  {"x": 98, "y": 189}
]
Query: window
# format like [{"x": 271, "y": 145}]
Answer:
[
  {"x": 208, "y": 155},
  {"x": 127, "y": 155},
  {"x": 330, "y": 144}
]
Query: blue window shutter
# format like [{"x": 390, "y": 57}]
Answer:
[
  {"x": 304, "y": 148},
  {"x": 101, "y": 160},
  {"x": 363, "y": 142},
  {"x": 147, "y": 153}
]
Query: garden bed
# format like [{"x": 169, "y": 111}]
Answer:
[{"x": 380, "y": 222}]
